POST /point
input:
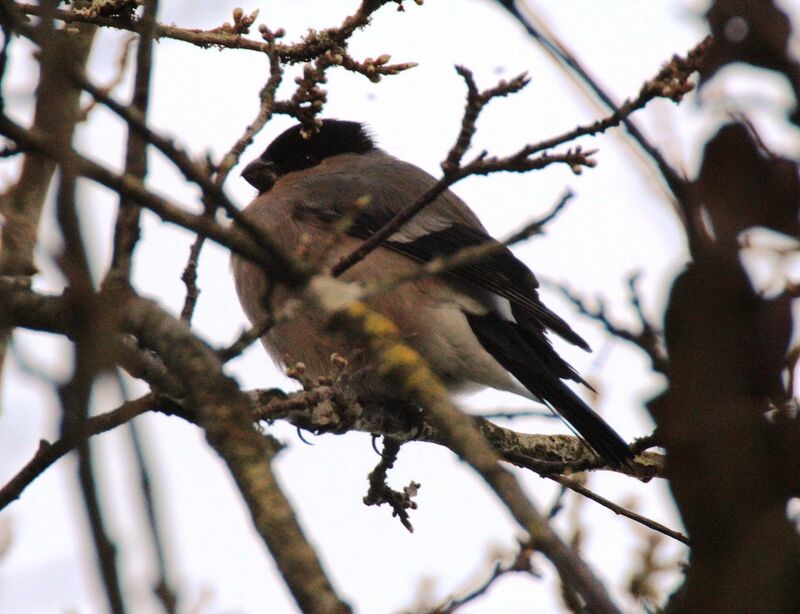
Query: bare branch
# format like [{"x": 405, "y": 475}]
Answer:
[
  {"x": 453, "y": 171},
  {"x": 223, "y": 412},
  {"x": 476, "y": 102},
  {"x": 163, "y": 589},
  {"x": 324, "y": 409},
  {"x": 671, "y": 82},
  {"x": 263, "y": 250},
  {"x": 189, "y": 279},
  {"x": 314, "y": 44},
  {"x": 649, "y": 339},
  {"x": 48, "y": 453},
  {"x": 400, "y": 364},
  {"x": 321, "y": 409},
  {"x": 479, "y": 166},
  {"x": 521, "y": 562},
  {"x": 126, "y": 229},
  {"x": 265, "y": 110},
  {"x": 677, "y": 184},
  {"x": 379, "y": 491},
  {"x": 617, "y": 509},
  {"x": 249, "y": 336}
]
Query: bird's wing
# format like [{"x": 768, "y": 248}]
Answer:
[
  {"x": 431, "y": 234},
  {"x": 444, "y": 228}
]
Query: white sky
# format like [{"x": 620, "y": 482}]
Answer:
[{"x": 619, "y": 223}]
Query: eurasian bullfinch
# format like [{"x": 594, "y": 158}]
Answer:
[{"x": 479, "y": 325}]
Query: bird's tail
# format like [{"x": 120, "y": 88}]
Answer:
[
  {"x": 535, "y": 364},
  {"x": 590, "y": 426}
]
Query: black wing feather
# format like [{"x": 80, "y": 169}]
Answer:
[{"x": 501, "y": 272}]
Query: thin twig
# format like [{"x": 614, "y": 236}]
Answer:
[
  {"x": 618, "y": 509},
  {"x": 479, "y": 166},
  {"x": 163, "y": 588},
  {"x": 380, "y": 492},
  {"x": 454, "y": 171},
  {"x": 246, "y": 338},
  {"x": 48, "y": 453},
  {"x": 476, "y": 102},
  {"x": 229, "y": 160},
  {"x": 4, "y": 56},
  {"x": 126, "y": 228},
  {"x": 89, "y": 359},
  {"x": 674, "y": 181},
  {"x": 537, "y": 226},
  {"x": 265, "y": 109},
  {"x": 466, "y": 255},
  {"x": 264, "y": 250},
  {"x": 558, "y": 503},
  {"x": 671, "y": 82},
  {"x": 402, "y": 366},
  {"x": 312, "y": 45},
  {"x": 649, "y": 339},
  {"x": 520, "y": 563},
  {"x": 189, "y": 279},
  {"x": 121, "y": 72}
]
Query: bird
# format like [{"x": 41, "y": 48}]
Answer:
[{"x": 479, "y": 325}]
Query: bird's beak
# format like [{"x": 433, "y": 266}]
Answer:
[{"x": 261, "y": 174}]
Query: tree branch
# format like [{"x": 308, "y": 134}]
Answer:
[
  {"x": 126, "y": 229},
  {"x": 400, "y": 364},
  {"x": 223, "y": 412},
  {"x": 618, "y": 509},
  {"x": 262, "y": 251}
]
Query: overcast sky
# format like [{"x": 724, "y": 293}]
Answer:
[{"x": 619, "y": 223}]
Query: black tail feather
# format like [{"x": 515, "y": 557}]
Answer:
[{"x": 532, "y": 365}]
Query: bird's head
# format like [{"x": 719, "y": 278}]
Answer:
[{"x": 295, "y": 151}]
